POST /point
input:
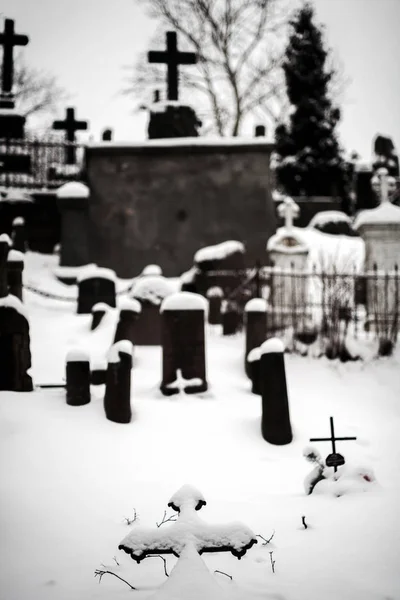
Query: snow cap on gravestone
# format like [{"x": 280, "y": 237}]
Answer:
[
  {"x": 256, "y": 305},
  {"x": 153, "y": 288},
  {"x": 215, "y": 292},
  {"x": 273, "y": 345},
  {"x": 254, "y": 355},
  {"x": 101, "y": 307},
  {"x": 152, "y": 270},
  {"x": 185, "y": 301},
  {"x": 15, "y": 256},
  {"x": 18, "y": 221},
  {"x": 90, "y": 272},
  {"x": 123, "y": 346},
  {"x": 73, "y": 189},
  {"x": 5, "y": 238},
  {"x": 219, "y": 251},
  {"x": 11, "y": 301},
  {"x": 130, "y": 304},
  {"x": 188, "y": 495},
  {"x": 77, "y": 355}
]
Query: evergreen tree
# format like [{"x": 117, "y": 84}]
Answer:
[{"x": 309, "y": 158}]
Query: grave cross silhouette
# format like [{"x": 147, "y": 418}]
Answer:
[
  {"x": 289, "y": 210},
  {"x": 335, "y": 459},
  {"x": 188, "y": 531},
  {"x": 70, "y": 125},
  {"x": 383, "y": 184},
  {"x": 9, "y": 39},
  {"x": 172, "y": 58}
]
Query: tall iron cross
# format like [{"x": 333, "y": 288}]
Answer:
[
  {"x": 9, "y": 39},
  {"x": 333, "y": 439},
  {"x": 70, "y": 125},
  {"x": 172, "y": 58}
]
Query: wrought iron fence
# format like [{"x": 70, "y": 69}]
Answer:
[{"x": 38, "y": 164}]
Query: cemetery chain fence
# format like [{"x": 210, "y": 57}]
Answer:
[{"x": 52, "y": 296}]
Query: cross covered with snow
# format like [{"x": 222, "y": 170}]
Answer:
[
  {"x": 188, "y": 532},
  {"x": 289, "y": 211},
  {"x": 383, "y": 184}
]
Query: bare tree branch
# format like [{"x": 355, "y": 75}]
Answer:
[{"x": 99, "y": 573}]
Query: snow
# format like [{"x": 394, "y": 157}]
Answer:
[
  {"x": 184, "y": 301},
  {"x": 124, "y": 346},
  {"x": 96, "y": 272},
  {"x": 73, "y": 189},
  {"x": 130, "y": 304},
  {"x": 215, "y": 292},
  {"x": 77, "y": 355},
  {"x": 70, "y": 476},
  {"x": 18, "y": 221},
  {"x": 153, "y": 288},
  {"x": 189, "y": 276},
  {"x": 219, "y": 252},
  {"x": 271, "y": 346},
  {"x": 11, "y": 301},
  {"x": 101, "y": 307},
  {"x": 152, "y": 270},
  {"x": 256, "y": 305},
  {"x": 5, "y": 238},
  {"x": 187, "y": 142},
  {"x": 254, "y": 355},
  {"x": 71, "y": 272},
  {"x": 384, "y": 214},
  {"x": 328, "y": 216},
  {"x": 15, "y": 256}
]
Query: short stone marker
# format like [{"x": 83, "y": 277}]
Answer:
[
  {"x": 275, "y": 421},
  {"x": 15, "y": 267},
  {"x": 253, "y": 363},
  {"x": 183, "y": 341},
  {"x": 128, "y": 315},
  {"x": 98, "y": 312},
  {"x": 95, "y": 285},
  {"x": 231, "y": 317},
  {"x": 117, "y": 398},
  {"x": 215, "y": 296},
  {"x": 188, "y": 537},
  {"x": 78, "y": 378},
  {"x": 335, "y": 459},
  {"x": 256, "y": 326},
  {"x": 18, "y": 235},
  {"x": 150, "y": 290},
  {"x": 15, "y": 354}
]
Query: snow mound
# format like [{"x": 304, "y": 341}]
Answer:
[
  {"x": 96, "y": 272},
  {"x": 130, "y": 304},
  {"x": 385, "y": 214},
  {"x": 347, "y": 480},
  {"x": 73, "y": 189},
  {"x": 5, "y": 238},
  {"x": 18, "y": 221},
  {"x": 123, "y": 346},
  {"x": 328, "y": 216},
  {"x": 219, "y": 252},
  {"x": 272, "y": 345},
  {"x": 152, "y": 288},
  {"x": 184, "y": 301},
  {"x": 101, "y": 307},
  {"x": 256, "y": 305},
  {"x": 254, "y": 355},
  {"x": 11, "y": 301},
  {"x": 15, "y": 256},
  {"x": 77, "y": 355},
  {"x": 215, "y": 292},
  {"x": 187, "y": 495},
  {"x": 152, "y": 270}
]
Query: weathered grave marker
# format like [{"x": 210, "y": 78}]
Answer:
[
  {"x": 255, "y": 313},
  {"x": 275, "y": 421},
  {"x": 19, "y": 241},
  {"x": 15, "y": 267},
  {"x": 231, "y": 317},
  {"x": 215, "y": 296},
  {"x": 78, "y": 378},
  {"x": 117, "y": 398},
  {"x": 334, "y": 459},
  {"x": 183, "y": 341},
  {"x": 95, "y": 285},
  {"x": 70, "y": 125},
  {"x": 128, "y": 315},
  {"x": 150, "y": 290}
]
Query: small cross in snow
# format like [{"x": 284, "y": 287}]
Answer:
[
  {"x": 289, "y": 211},
  {"x": 333, "y": 439}
]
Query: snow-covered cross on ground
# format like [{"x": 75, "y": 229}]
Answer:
[
  {"x": 188, "y": 537},
  {"x": 183, "y": 385},
  {"x": 289, "y": 211}
]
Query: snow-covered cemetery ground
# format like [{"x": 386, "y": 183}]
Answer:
[{"x": 72, "y": 481}]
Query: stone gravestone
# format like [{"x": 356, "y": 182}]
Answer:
[
  {"x": 380, "y": 229},
  {"x": 95, "y": 285},
  {"x": 15, "y": 354},
  {"x": 18, "y": 236},
  {"x": 221, "y": 266},
  {"x": 129, "y": 311},
  {"x": 117, "y": 398},
  {"x": 187, "y": 537},
  {"x": 70, "y": 125},
  {"x": 150, "y": 290},
  {"x": 275, "y": 421},
  {"x": 289, "y": 283},
  {"x": 73, "y": 202},
  {"x": 215, "y": 296},
  {"x": 231, "y": 317},
  {"x": 255, "y": 325},
  {"x": 183, "y": 343},
  {"x": 253, "y": 364},
  {"x": 78, "y": 378},
  {"x": 15, "y": 267}
]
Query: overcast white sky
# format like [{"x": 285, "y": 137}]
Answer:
[{"x": 86, "y": 43}]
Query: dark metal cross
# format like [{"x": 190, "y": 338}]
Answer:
[
  {"x": 172, "y": 58},
  {"x": 70, "y": 125},
  {"x": 332, "y": 439},
  {"x": 9, "y": 39}
]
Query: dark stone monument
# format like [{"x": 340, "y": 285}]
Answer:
[
  {"x": 335, "y": 459},
  {"x": 18, "y": 236},
  {"x": 15, "y": 267},
  {"x": 70, "y": 125},
  {"x": 183, "y": 342},
  {"x": 129, "y": 312},
  {"x": 107, "y": 135},
  {"x": 15, "y": 355},
  {"x": 253, "y": 362},
  {"x": 275, "y": 421},
  {"x": 98, "y": 375},
  {"x": 11, "y": 123},
  {"x": 73, "y": 203},
  {"x": 385, "y": 156},
  {"x": 98, "y": 312},
  {"x": 215, "y": 296},
  {"x": 150, "y": 290},
  {"x": 259, "y": 131},
  {"x": 171, "y": 119},
  {"x": 78, "y": 378},
  {"x": 255, "y": 325},
  {"x": 95, "y": 285},
  {"x": 117, "y": 398},
  {"x": 231, "y": 317}
]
